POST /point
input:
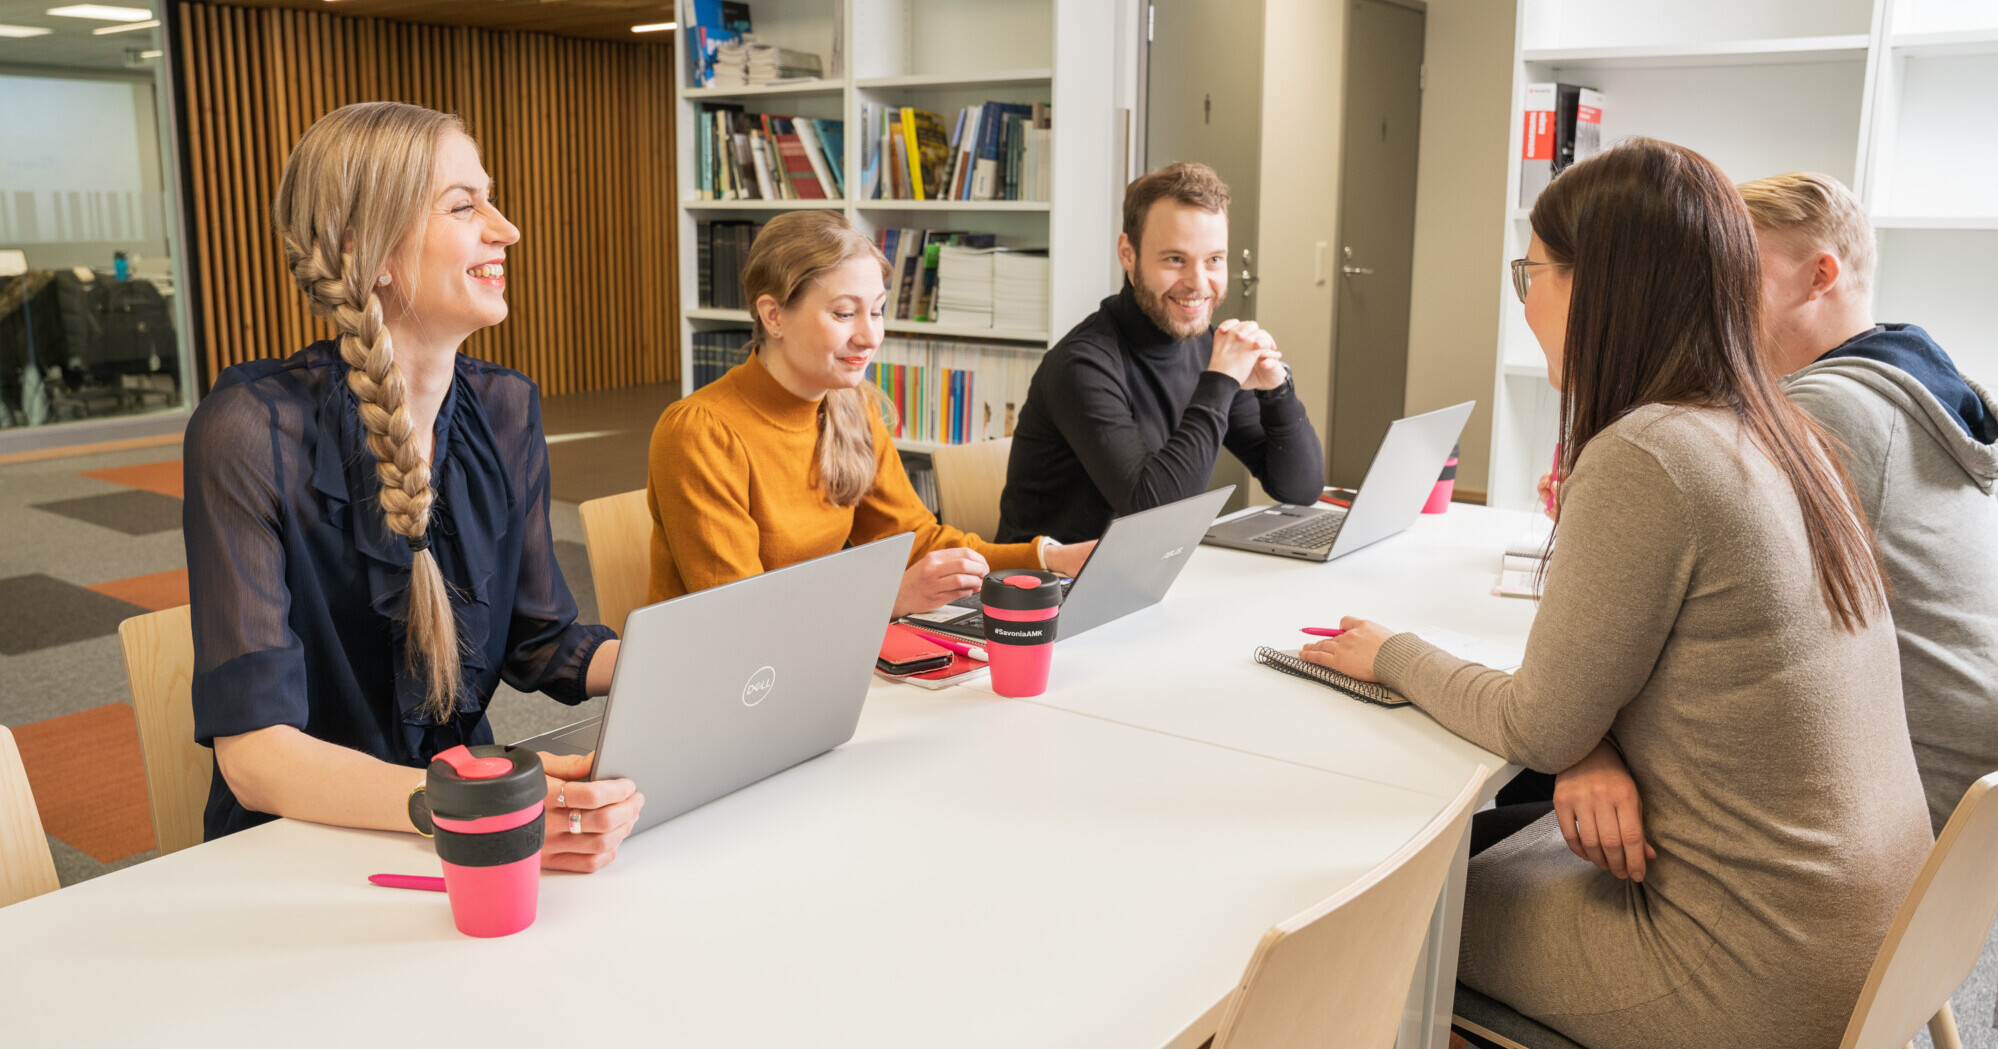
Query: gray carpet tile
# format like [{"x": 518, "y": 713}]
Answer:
[
  {"x": 62, "y": 679},
  {"x": 131, "y": 511},
  {"x": 37, "y": 611},
  {"x": 518, "y": 715},
  {"x": 575, "y": 561},
  {"x": 1976, "y": 1004},
  {"x": 73, "y": 865},
  {"x": 83, "y": 554},
  {"x": 565, "y": 521}
]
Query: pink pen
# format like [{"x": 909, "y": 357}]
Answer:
[
  {"x": 1555, "y": 473},
  {"x": 407, "y": 881},
  {"x": 1322, "y": 631},
  {"x": 959, "y": 647}
]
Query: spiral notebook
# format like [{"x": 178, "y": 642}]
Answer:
[{"x": 1365, "y": 691}]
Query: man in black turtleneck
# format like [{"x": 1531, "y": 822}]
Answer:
[{"x": 1129, "y": 410}]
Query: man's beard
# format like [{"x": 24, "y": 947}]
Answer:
[{"x": 1154, "y": 307}]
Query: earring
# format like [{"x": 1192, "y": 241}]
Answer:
[{"x": 383, "y": 279}]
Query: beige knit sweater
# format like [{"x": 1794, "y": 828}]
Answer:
[{"x": 1682, "y": 615}]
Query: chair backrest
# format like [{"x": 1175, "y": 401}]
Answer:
[
  {"x": 1939, "y": 931},
  {"x": 969, "y": 480},
  {"x": 26, "y": 868},
  {"x": 617, "y": 531},
  {"x": 159, "y": 665},
  {"x": 1338, "y": 973}
]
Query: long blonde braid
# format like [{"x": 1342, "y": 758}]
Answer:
[{"x": 354, "y": 186}]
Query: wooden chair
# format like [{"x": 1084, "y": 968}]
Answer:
[
  {"x": 159, "y": 666},
  {"x": 617, "y": 532},
  {"x": 1934, "y": 943},
  {"x": 1339, "y": 973},
  {"x": 26, "y": 868},
  {"x": 969, "y": 480}
]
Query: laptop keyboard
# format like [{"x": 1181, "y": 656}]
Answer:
[
  {"x": 973, "y": 625},
  {"x": 1311, "y": 533}
]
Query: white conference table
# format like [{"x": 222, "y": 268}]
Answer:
[{"x": 1092, "y": 868}]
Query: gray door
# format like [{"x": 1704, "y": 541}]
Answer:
[
  {"x": 1377, "y": 230},
  {"x": 1204, "y": 102}
]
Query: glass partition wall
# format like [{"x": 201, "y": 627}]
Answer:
[{"x": 90, "y": 326}]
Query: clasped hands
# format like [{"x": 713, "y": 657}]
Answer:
[
  {"x": 1246, "y": 353},
  {"x": 937, "y": 579},
  {"x": 1596, "y": 800}
]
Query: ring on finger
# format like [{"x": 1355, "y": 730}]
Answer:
[
  {"x": 562, "y": 794},
  {"x": 575, "y": 822}
]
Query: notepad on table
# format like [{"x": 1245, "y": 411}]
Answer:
[{"x": 1463, "y": 646}]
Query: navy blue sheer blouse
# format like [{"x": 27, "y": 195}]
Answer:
[{"x": 298, "y": 586}]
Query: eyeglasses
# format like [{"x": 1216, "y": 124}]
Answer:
[{"x": 1520, "y": 280}]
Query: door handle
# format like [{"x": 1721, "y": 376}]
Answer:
[
  {"x": 1357, "y": 271},
  {"x": 1249, "y": 279}
]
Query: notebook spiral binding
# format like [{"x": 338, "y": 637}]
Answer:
[{"x": 1365, "y": 691}]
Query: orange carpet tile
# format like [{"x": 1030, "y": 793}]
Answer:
[
  {"x": 150, "y": 592},
  {"x": 89, "y": 780},
  {"x": 163, "y": 477}
]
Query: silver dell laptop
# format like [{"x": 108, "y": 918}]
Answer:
[
  {"x": 1132, "y": 567},
  {"x": 1403, "y": 473},
  {"x": 718, "y": 689}
]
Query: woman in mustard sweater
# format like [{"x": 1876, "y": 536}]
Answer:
[{"x": 787, "y": 458}]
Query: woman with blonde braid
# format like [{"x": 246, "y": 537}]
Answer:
[
  {"x": 786, "y": 457},
  {"x": 367, "y": 531}
]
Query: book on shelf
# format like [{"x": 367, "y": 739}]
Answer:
[
  {"x": 765, "y": 156},
  {"x": 989, "y": 151},
  {"x": 712, "y": 25},
  {"x": 721, "y": 248},
  {"x": 952, "y": 391},
  {"x": 1563, "y": 126},
  {"x": 715, "y": 352},
  {"x": 922, "y": 478},
  {"x": 914, "y": 259},
  {"x": 1020, "y": 291},
  {"x": 770, "y": 64}
]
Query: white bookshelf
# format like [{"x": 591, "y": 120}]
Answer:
[
  {"x": 1894, "y": 97},
  {"x": 941, "y": 55}
]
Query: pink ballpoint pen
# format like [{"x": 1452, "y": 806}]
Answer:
[
  {"x": 1322, "y": 631},
  {"x": 407, "y": 881},
  {"x": 959, "y": 647}
]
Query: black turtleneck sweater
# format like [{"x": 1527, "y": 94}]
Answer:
[{"x": 1122, "y": 417}]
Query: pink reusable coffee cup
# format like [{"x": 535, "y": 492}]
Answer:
[
  {"x": 1446, "y": 486},
  {"x": 487, "y": 803},
  {"x": 1021, "y": 606}
]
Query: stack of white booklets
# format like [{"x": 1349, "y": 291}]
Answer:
[
  {"x": 731, "y": 65},
  {"x": 1020, "y": 291},
  {"x": 965, "y": 286},
  {"x": 1523, "y": 563},
  {"x": 770, "y": 64}
]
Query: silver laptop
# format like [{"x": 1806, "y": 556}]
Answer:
[
  {"x": 718, "y": 689},
  {"x": 1403, "y": 473},
  {"x": 1132, "y": 567}
]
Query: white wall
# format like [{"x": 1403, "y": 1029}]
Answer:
[
  {"x": 1460, "y": 215},
  {"x": 1304, "y": 47}
]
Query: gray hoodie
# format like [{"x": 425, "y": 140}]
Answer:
[{"x": 1926, "y": 485}]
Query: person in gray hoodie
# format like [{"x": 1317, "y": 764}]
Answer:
[{"x": 1922, "y": 443}]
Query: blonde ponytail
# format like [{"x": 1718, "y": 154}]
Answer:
[
  {"x": 353, "y": 187},
  {"x": 790, "y": 252}
]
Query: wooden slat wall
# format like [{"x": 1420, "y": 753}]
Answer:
[{"x": 577, "y": 134}]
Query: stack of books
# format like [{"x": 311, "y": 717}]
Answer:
[
  {"x": 720, "y": 249},
  {"x": 1020, "y": 291},
  {"x": 770, "y": 64},
  {"x": 730, "y": 68},
  {"x": 965, "y": 286},
  {"x": 715, "y": 352},
  {"x": 915, "y": 259}
]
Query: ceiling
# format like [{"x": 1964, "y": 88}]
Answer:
[{"x": 72, "y": 45}]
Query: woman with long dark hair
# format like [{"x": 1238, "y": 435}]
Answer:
[{"x": 1714, "y": 612}]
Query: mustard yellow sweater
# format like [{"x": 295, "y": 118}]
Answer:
[{"x": 732, "y": 492}]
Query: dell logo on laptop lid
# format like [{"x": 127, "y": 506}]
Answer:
[
  {"x": 758, "y": 686},
  {"x": 1172, "y": 553}
]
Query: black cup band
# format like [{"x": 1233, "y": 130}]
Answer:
[{"x": 494, "y": 849}]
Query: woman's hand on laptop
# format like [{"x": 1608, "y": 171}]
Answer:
[
  {"x": 938, "y": 578},
  {"x": 586, "y": 821},
  {"x": 1351, "y": 653},
  {"x": 1068, "y": 558}
]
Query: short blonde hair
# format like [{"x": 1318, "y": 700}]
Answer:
[{"x": 1820, "y": 211}]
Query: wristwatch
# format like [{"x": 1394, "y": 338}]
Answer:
[
  {"x": 1289, "y": 385},
  {"x": 419, "y": 812}
]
